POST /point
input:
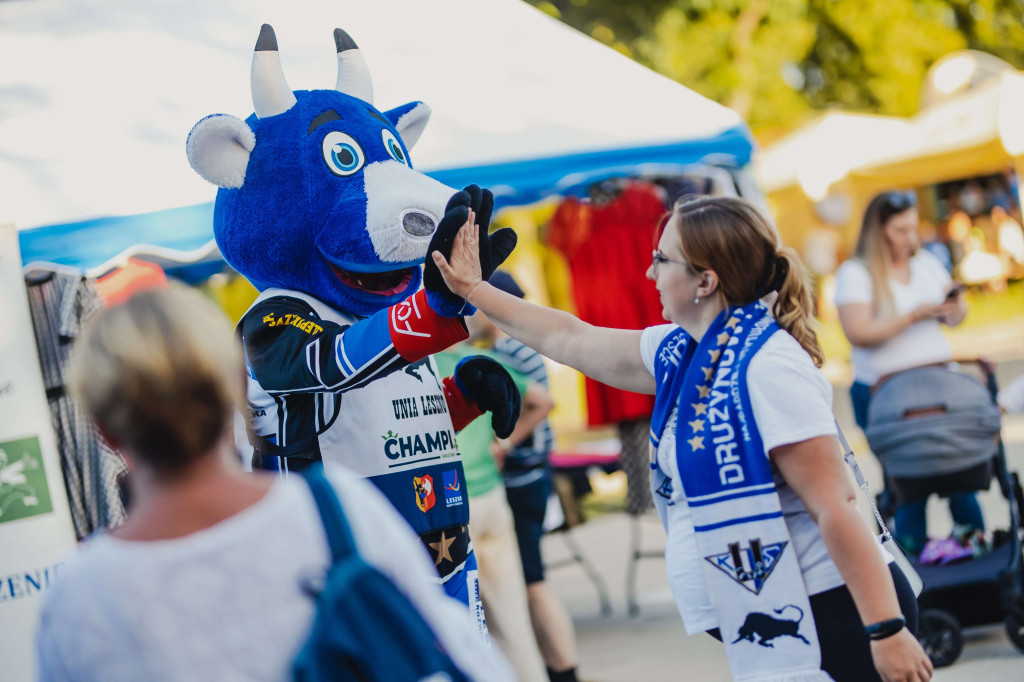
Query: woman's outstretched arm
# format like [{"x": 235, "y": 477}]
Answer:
[{"x": 611, "y": 356}]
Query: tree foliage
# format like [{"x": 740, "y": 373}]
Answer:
[{"x": 775, "y": 61}]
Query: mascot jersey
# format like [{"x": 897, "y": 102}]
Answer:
[{"x": 323, "y": 384}]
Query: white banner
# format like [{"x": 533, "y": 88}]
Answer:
[{"x": 36, "y": 533}]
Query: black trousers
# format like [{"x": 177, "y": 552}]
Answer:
[{"x": 845, "y": 649}]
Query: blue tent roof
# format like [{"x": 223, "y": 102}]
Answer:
[{"x": 180, "y": 239}]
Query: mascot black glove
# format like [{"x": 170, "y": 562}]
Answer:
[
  {"x": 481, "y": 384},
  {"x": 494, "y": 248}
]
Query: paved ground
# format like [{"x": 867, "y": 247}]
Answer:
[{"x": 653, "y": 646}]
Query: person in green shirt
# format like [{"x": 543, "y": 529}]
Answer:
[
  {"x": 480, "y": 469},
  {"x": 502, "y": 585}
]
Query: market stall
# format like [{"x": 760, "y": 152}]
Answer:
[{"x": 970, "y": 126}]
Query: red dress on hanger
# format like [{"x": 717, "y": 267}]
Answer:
[{"x": 608, "y": 248}]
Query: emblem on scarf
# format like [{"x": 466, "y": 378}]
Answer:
[{"x": 760, "y": 562}]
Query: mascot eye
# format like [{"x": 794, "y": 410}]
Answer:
[
  {"x": 393, "y": 146},
  {"x": 342, "y": 154}
]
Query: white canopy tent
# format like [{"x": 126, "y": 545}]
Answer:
[
  {"x": 824, "y": 150},
  {"x": 97, "y": 97}
]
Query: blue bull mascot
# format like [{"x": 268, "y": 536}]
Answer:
[{"x": 320, "y": 209}]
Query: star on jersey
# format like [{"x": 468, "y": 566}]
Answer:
[
  {"x": 699, "y": 409},
  {"x": 697, "y": 425},
  {"x": 715, "y": 354},
  {"x": 731, "y": 324},
  {"x": 708, "y": 372},
  {"x": 441, "y": 547},
  {"x": 704, "y": 391},
  {"x": 696, "y": 443}
]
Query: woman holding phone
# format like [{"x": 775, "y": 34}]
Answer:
[{"x": 893, "y": 298}]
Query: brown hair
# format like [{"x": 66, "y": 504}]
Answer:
[
  {"x": 732, "y": 238},
  {"x": 161, "y": 375},
  {"x": 872, "y": 247}
]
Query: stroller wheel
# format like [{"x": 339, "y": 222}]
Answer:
[
  {"x": 940, "y": 636},
  {"x": 1015, "y": 630}
]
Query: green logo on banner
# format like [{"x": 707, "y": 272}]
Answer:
[{"x": 23, "y": 489}]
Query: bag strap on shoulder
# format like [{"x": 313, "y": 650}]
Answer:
[
  {"x": 886, "y": 538},
  {"x": 339, "y": 534},
  {"x": 862, "y": 483}
]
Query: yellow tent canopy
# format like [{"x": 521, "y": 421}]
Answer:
[{"x": 827, "y": 171}]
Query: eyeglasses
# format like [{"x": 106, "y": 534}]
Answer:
[
  {"x": 894, "y": 203},
  {"x": 658, "y": 258}
]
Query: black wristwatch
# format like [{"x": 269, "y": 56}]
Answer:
[{"x": 885, "y": 628}]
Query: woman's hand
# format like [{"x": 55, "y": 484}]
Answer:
[
  {"x": 900, "y": 658},
  {"x": 931, "y": 311},
  {"x": 463, "y": 272}
]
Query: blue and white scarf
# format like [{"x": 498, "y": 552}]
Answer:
[{"x": 750, "y": 567}]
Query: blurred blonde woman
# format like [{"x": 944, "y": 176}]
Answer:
[
  {"x": 893, "y": 298},
  {"x": 205, "y": 580},
  {"x": 766, "y": 549}
]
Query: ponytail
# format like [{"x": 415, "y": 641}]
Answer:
[
  {"x": 731, "y": 237},
  {"x": 794, "y": 305}
]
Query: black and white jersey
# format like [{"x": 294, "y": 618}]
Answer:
[{"x": 335, "y": 387}]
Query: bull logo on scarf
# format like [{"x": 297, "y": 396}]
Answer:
[{"x": 767, "y": 628}]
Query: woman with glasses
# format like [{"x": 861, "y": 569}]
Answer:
[
  {"x": 766, "y": 549},
  {"x": 892, "y": 299}
]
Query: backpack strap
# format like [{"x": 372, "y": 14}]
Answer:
[{"x": 339, "y": 534}]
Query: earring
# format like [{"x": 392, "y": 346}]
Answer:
[{"x": 696, "y": 299}]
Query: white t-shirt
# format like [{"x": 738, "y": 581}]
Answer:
[
  {"x": 792, "y": 402},
  {"x": 226, "y": 603},
  {"x": 921, "y": 343}
]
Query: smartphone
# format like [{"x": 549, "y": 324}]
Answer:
[{"x": 955, "y": 291}]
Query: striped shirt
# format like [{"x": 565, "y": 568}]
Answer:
[{"x": 528, "y": 461}]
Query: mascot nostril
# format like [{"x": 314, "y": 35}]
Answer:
[
  {"x": 338, "y": 344},
  {"x": 418, "y": 224}
]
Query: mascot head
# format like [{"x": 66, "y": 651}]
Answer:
[{"x": 317, "y": 192}]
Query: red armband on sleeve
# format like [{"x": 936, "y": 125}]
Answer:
[
  {"x": 461, "y": 409},
  {"x": 417, "y": 331}
]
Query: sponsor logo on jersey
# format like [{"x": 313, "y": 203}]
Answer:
[
  {"x": 452, "y": 488},
  {"x": 424, "y": 487},
  {"x": 296, "y": 321},
  {"x": 414, "y": 406},
  {"x": 398, "y": 447}
]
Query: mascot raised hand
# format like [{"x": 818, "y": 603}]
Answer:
[{"x": 320, "y": 209}]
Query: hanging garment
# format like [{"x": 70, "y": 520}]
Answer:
[
  {"x": 60, "y": 303},
  {"x": 608, "y": 248}
]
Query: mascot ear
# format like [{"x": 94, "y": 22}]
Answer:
[
  {"x": 410, "y": 120},
  {"x": 218, "y": 149}
]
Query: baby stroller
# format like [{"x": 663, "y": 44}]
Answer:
[{"x": 936, "y": 431}]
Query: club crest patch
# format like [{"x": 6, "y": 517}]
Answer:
[
  {"x": 749, "y": 566},
  {"x": 424, "y": 486}
]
